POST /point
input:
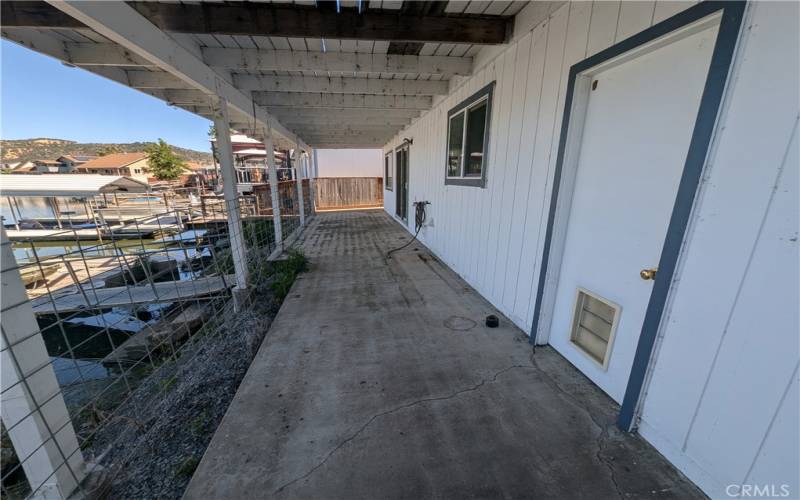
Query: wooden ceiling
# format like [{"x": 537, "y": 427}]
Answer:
[{"x": 337, "y": 74}]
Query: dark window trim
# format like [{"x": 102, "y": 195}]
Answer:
[
  {"x": 388, "y": 182},
  {"x": 486, "y": 92},
  {"x": 721, "y": 60}
]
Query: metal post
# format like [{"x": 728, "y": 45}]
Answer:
[
  {"x": 116, "y": 204},
  {"x": 77, "y": 281},
  {"x": 33, "y": 409},
  {"x": 273, "y": 190},
  {"x": 56, "y": 212},
  {"x": 16, "y": 204},
  {"x": 11, "y": 210},
  {"x": 298, "y": 179},
  {"x": 225, "y": 152}
]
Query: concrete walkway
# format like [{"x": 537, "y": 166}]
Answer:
[{"x": 378, "y": 379}]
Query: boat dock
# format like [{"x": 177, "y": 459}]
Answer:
[
  {"x": 154, "y": 293},
  {"x": 58, "y": 274}
]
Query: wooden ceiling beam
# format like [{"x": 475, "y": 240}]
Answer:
[
  {"x": 275, "y": 100},
  {"x": 276, "y": 19},
  {"x": 251, "y": 18},
  {"x": 238, "y": 60},
  {"x": 339, "y": 85}
]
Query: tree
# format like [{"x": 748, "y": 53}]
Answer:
[{"x": 164, "y": 164}]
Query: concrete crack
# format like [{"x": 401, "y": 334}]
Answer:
[
  {"x": 394, "y": 410},
  {"x": 601, "y": 438}
]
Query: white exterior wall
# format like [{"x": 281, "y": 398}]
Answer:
[
  {"x": 389, "y": 199},
  {"x": 728, "y": 360},
  {"x": 350, "y": 163},
  {"x": 722, "y": 401}
]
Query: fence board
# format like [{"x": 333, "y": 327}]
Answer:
[{"x": 348, "y": 192}]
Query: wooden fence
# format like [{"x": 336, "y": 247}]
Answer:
[
  {"x": 287, "y": 197},
  {"x": 348, "y": 192}
]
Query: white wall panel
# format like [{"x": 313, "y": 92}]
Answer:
[
  {"x": 729, "y": 348},
  {"x": 721, "y": 402},
  {"x": 634, "y": 16}
]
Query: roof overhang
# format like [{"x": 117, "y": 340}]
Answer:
[{"x": 68, "y": 185}]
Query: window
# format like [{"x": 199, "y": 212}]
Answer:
[
  {"x": 468, "y": 139},
  {"x": 243, "y": 176},
  {"x": 388, "y": 177},
  {"x": 593, "y": 324}
]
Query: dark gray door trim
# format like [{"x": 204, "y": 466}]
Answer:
[{"x": 727, "y": 36}]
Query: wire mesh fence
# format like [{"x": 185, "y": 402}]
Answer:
[{"x": 99, "y": 315}]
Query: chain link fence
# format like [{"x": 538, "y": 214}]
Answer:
[{"x": 95, "y": 329}]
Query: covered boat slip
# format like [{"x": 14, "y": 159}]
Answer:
[
  {"x": 80, "y": 188},
  {"x": 379, "y": 379}
]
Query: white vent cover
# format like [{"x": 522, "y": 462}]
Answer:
[{"x": 594, "y": 322}]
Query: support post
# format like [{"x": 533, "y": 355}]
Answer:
[
  {"x": 307, "y": 175},
  {"x": 236, "y": 235},
  {"x": 298, "y": 176},
  {"x": 33, "y": 408},
  {"x": 312, "y": 175},
  {"x": 273, "y": 190}
]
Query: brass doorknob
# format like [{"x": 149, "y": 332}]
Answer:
[{"x": 648, "y": 274}]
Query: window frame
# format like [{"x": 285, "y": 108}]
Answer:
[
  {"x": 485, "y": 94},
  {"x": 388, "y": 171}
]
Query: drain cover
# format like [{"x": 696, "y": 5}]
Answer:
[{"x": 459, "y": 323}]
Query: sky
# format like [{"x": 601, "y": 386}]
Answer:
[{"x": 40, "y": 97}]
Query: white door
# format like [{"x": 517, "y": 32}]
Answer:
[{"x": 639, "y": 120}]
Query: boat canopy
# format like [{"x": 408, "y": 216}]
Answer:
[{"x": 68, "y": 185}]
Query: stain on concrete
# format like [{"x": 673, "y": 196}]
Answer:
[{"x": 362, "y": 390}]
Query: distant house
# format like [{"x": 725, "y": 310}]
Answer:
[
  {"x": 250, "y": 162},
  {"x": 47, "y": 166},
  {"x": 127, "y": 164},
  {"x": 18, "y": 167},
  {"x": 69, "y": 163}
]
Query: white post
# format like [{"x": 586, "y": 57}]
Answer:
[
  {"x": 313, "y": 174},
  {"x": 298, "y": 177},
  {"x": 225, "y": 153},
  {"x": 307, "y": 174},
  {"x": 273, "y": 189},
  {"x": 33, "y": 408}
]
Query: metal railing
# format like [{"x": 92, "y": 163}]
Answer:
[{"x": 88, "y": 322}]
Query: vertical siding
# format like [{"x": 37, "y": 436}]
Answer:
[
  {"x": 722, "y": 400},
  {"x": 720, "y": 396},
  {"x": 492, "y": 236}
]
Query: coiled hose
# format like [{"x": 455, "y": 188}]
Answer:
[{"x": 419, "y": 219}]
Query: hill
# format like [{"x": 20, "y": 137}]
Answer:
[{"x": 43, "y": 148}]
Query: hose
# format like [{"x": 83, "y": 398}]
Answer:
[{"x": 419, "y": 220}]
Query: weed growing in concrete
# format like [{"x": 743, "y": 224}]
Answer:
[
  {"x": 187, "y": 467},
  {"x": 167, "y": 383},
  {"x": 285, "y": 273}
]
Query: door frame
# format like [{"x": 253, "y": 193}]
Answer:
[
  {"x": 398, "y": 189},
  {"x": 731, "y": 13}
]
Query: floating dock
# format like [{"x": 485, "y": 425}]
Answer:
[{"x": 106, "y": 298}]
